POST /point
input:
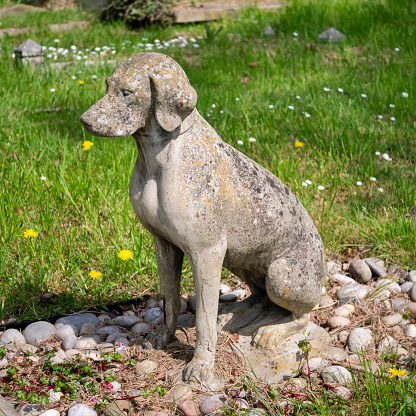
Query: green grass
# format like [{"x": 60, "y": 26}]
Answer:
[{"x": 82, "y": 211}]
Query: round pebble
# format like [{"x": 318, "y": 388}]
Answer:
[
  {"x": 356, "y": 290},
  {"x": 392, "y": 320},
  {"x": 140, "y": 328},
  {"x": 78, "y": 320},
  {"x": 342, "y": 392},
  {"x": 81, "y": 410},
  {"x": 127, "y": 321},
  {"x": 336, "y": 374},
  {"x": 87, "y": 329},
  {"x": 186, "y": 321},
  {"x": 146, "y": 366},
  {"x": 410, "y": 330},
  {"x": 406, "y": 286},
  {"x": 86, "y": 343},
  {"x": 180, "y": 392},
  {"x": 104, "y": 319},
  {"x": 359, "y": 339},
  {"x": 154, "y": 316},
  {"x": 389, "y": 285},
  {"x": 412, "y": 293},
  {"x": 192, "y": 302},
  {"x": 412, "y": 276},
  {"x": 337, "y": 321},
  {"x": 212, "y": 403},
  {"x": 346, "y": 311},
  {"x": 12, "y": 335},
  {"x": 38, "y": 332},
  {"x": 108, "y": 330},
  {"x": 316, "y": 365},
  {"x": 188, "y": 408},
  {"x": 360, "y": 271},
  {"x": 50, "y": 412},
  {"x": 325, "y": 301}
]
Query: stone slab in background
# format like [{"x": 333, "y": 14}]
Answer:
[
  {"x": 19, "y": 9},
  {"x": 54, "y": 28}
]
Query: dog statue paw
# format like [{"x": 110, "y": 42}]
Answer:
[{"x": 202, "y": 198}]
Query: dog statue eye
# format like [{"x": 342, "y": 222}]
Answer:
[{"x": 127, "y": 93}]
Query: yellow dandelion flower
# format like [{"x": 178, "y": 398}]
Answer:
[
  {"x": 402, "y": 373},
  {"x": 125, "y": 255},
  {"x": 30, "y": 234},
  {"x": 299, "y": 144},
  {"x": 87, "y": 145},
  {"x": 80, "y": 82},
  {"x": 95, "y": 275}
]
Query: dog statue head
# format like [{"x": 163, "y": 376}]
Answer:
[{"x": 145, "y": 82}]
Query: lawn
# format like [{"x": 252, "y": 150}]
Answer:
[{"x": 350, "y": 106}]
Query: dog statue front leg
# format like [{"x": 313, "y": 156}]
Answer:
[
  {"x": 206, "y": 267},
  {"x": 169, "y": 261}
]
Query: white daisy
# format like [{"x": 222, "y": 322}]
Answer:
[
  {"x": 74, "y": 77},
  {"x": 237, "y": 99},
  {"x": 359, "y": 183},
  {"x": 252, "y": 139},
  {"x": 397, "y": 49},
  {"x": 271, "y": 106},
  {"x": 307, "y": 115},
  {"x": 308, "y": 182},
  {"x": 391, "y": 105},
  {"x": 43, "y": 178},
  {"x": 213, "y": 105},
  {"x": 94, "y": 76},
  {"x": 298, "y": 97},
  {"x": 240, "y": 142},
  {"x": 304, "y": 184},
  {"x": 405, "y": 94},
  {"x": 321, "y": 188},
  {"x": 380, "y": 189},
  {"x": 372, "y": 178},
  {"x": 392, "y": 119},
  {"x": 56, "y": 40},
  {"x": 364, "y": 95},
  {"x": 295, "y": 34},
  {"x": 378, "y": 153},
  {"x": 385, "y": 156},
  {"x": 340, "y": 90},
  {"x": 326, "y": 89},
  {"x": 52, "y": 89},
  {"x": 290, "y": 107}
]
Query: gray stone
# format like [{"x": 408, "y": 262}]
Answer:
[
  {"x": 337, "y": 321},
  {"x": 180, "y": 392},
  {"x": 224, "y": 289},
  {"x": 213, "y": 403},
  {"x": 410, "y": 330},
  {"x": 146, "y": 366},
  {"x": 269, "y": 31},
  {"x": 67, "y": 335},
  {"x": 326, "y": 301},
  {"x": 150, "y": 97},
  {"x": 412, "y": 276},
  {"x": 121, "y": 341},
  {"x": 12, "y": 335},
  {"x": 140, "y": 328},
  {"x": 81, "y": 410},
  {"x": 355, "y": 290},
  {"x": 152, "y": 303},
  {"x": 186, "y": 321},
  {"x": 331, "y": 35},
  {"x": 336, "y": 374},
  {"x": 232, "y": 296},
  {"x": 4, "y": 362},
  {"x": 126, "y": 321},
  {"x": 31, "y": 410},
  {"x": 115, "y": 336},
  {"x": 104, "y": 319},
  {"x": 79, "y": 320},
  {"x": 387, "y": 284},
  {"x": 316, "y": 365},
  {"x": 397, "y": 303},
  {"x": 406, "y": 287},
  {"x": 87, "y": 342},
  {"x": 87, "y": 329},
  {"x": 154, "y": 316},
  {"x": 342, "y": 279},
  {"x": 55, "y": 396},
  {"x": 360, "y": 271},
  {"x": 376, "y": 270},
  {"x": 108, "y": 330},
  {"x": 192, "y": 302},
  {"x": 392, "y": 320},
  {"x": 412, "y": 293},
  {"x": 50, "y": 412},
  {"x": 7, "y": 408},
  {"x": 38, "y": 332},
  {"x": 359, "y": 339}
]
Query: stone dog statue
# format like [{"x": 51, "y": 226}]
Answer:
[{"x": 200, "y": 197}]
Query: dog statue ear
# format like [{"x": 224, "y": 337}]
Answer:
[{"x": 175, "y": 98}]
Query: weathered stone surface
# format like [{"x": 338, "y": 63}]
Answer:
[
  {"x": 326, "y": 301},
  {"x": 146, "y": 366},
  {"x": 78, "y": 320},
  {"x": 375, "y": 268},
  {"x": 108, "y": 330},
  {"x": 389, "y": 285},
  {"x": 180, "y": 392},
  {"x": 412, "y": 276},
  {"x": 337, "y": 321},
  {"x": 31, "y": 410},
  {"x": 12, "y": 335},
  {"x": 87, "y": 329},
  {"x": 213, "y": 403},
  {"x": 355, "y": 290},
  {"x": 126, "y": 321},
  {"x": 406, "y": 287},
  {"x": 81, "y": 410},
  {"x": 346, "y": 311},
  {"x": 359, "y": 339},
  {"x": 392, "y": 319},
  {"x": 7, "y": 408},
  {"x": 188, "y": 408},
  {"x": 154, "y": 316},
  {"x": 360, "y": 271},
  {"x": 87, "y": 342},
  {"x": 410, "y": 330},
  {"x": 150, "y": 97},
  {"x": 336, "y": 374},
  {"x": 316, "y": 365},
  {"x": 343, "y": 392},
  {"x": 38, "y": 332},
  {"x": 186, "y": 320},
  {"x": 50, "y": 412},
  {"x": 140, "y": 328}
]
